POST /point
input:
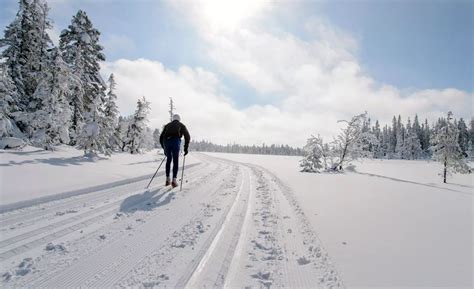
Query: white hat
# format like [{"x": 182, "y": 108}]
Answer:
[{"x": 176, "y": 117}]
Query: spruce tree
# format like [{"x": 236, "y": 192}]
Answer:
[
  {"x": 25, "y": 51},
  {"x": 313, "y": 155},
  {"x": 49, "y": 123},
  {"x": 463, "y": 138},
  {"x": 8, "y": 106},
  {"x": 111, "y": 113},
  {"x": 80, "y": 46},
  {"x": 471, "y": 138},
  {"x": 446, "y": 148},
  {"x": 137, "y": 129}
]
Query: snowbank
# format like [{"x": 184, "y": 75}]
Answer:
[{"x": 33, "y": 173}]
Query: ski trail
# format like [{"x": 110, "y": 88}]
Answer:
[
  {"x": 234, "y": 225},
  {"x": 87, "y": 241},
  {"x": 35, "y": 212},
  {"x": 199, "y": 272},
  {"x": 276, "y": 246},
  {"x": 110, "y": 264},
  {"x": 42, "y": 235}
]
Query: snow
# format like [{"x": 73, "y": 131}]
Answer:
[
  {"x": 33, "y": 173},
  {"x": 391, "y": 223},
  {"x": 240, "y": 221},
  {"x": 11, "y": 142}
]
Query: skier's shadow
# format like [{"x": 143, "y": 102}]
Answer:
[{"x": 147, "y": 201}]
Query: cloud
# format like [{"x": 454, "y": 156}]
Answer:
[
  {"x": 315, "y": 82},
  {"x": 320, "y": 73}
]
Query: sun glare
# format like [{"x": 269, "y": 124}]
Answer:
[{"x": 228, "y": 14}]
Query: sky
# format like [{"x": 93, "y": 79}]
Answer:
[{"x": 255, "y": 72}]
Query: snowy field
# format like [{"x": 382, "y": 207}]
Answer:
[
  {"x": 240, "y": 221},
  {"x": 390, "y": 223}
]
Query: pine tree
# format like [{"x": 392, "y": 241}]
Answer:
[
  {"x": 417, "y": 129},
  {"x": 411, "y": 147},
  {"x": 26, "y": 44},
  {"x": 312, "y": 155},
  {"x": 80, "y": 46},
  {"x": 137, "y": 128},
  {"x": 393, "y": 137},
  {"x": 463, "y": 139},
  {"x": 111, "y": 113},
  {"x": 25, "y": 50},
  {"x": 471, "y": 138},
  {"x": 50, "y": 121},
  {"x": 400, "y": 136},
  {"x": 446, "y": 148},
  {"x": 426, "y": 138},
  {"x": 8, "y": 107}
]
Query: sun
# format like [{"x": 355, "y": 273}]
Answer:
[{"x": 229, "y": 14}]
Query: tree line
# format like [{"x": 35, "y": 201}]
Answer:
[
  {"x": 56, "y": 95},
  {"x": 412, "y": 140},
  {"x": 448, "y": 141},
  {"x": 206, "y": 146}
]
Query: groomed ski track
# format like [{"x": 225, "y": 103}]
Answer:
[{"x": 234, "y": 225}]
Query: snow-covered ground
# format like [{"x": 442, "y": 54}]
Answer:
[
  {"x": 33, "y": 173},
  {"x": 390, "y": 223},
  {"x": 240, "y": 221}
]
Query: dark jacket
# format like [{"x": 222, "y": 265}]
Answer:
[{"x": 175, "y": 129}]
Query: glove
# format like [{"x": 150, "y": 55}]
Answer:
[{"x": 185, "y": 151}]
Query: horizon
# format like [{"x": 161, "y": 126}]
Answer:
[{"x": 278, "y": 72}]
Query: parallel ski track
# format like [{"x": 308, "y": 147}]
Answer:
[
  {"x": 194, "y": 269},
  {"x": 59, "y": 229},
  {"x": 104, "y": 268},
  {"x": 291, "y": 235},
  {"x": 34, "y": 212},
  {"x": 35, "y": 279}
]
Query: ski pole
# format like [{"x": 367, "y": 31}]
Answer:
[
  {"x": 156, "y": 172},
  {"x": 182, "y": 173}
]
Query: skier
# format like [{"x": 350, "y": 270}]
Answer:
[{"x": 170, "y": 140}]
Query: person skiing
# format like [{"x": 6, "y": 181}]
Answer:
[{"x": 170, "y": 140}]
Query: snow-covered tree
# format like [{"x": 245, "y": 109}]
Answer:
[
  {"x": 122, "y": 132},
  {"x": 463, "y": 138},
  {"x": 137, "y": 128},
  {"x": 111, "y": 113},
  {"x": 426, "y": 137},
  {"x": 80, "y": 46},
  {"x": 446, "y": 148},
  {"x": 25, "y": 49},
  {"x": 50, "y": 121},
  {"x": 313, "y": 155},
  {"x": 349, "y": 144},
  {"x": 8, "y": 93},
  {"x": 471, "y": 139},
  {"x": 411, "y": 147}
]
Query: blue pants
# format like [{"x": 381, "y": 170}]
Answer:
[{"x": 172, "y": 153}]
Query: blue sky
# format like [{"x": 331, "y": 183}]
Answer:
[
  {"x": 410, "y": 44},
  {"x": 399, "y": 49}
]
